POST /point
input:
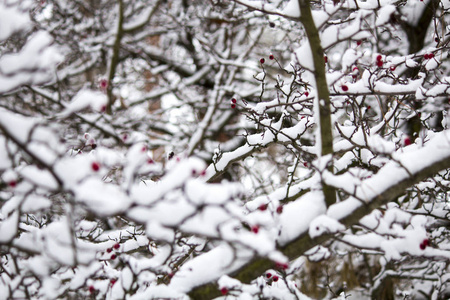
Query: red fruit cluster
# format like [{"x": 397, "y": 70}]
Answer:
[
  {"x": 428, "y": 56},
  {"x": 379, "y": 60},
  {"x": 424, "y": 244}
]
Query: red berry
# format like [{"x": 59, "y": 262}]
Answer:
[
  {"x": 95, "y": 166},
  {"x": 103, "y": 84},
  {"x": 392, "y": 68},
  {"x": 262, "y": 60},
  {"x": 271, "y": 57},
  {"x": 233, "y": 105},
  {"x": 437, "y": 40},
  {"x": 275, "y": 278},
  {"x": 268, "y": 274},
  {"x": 150, "y": 161},
  {"x": 426, "y": 242},
  {"x": 12, "y": 183},
  {"x": 358, "y": 43},
  {"x": 426, "y": 56},
  {"x": 306, "y": 94},
  {"x": 255, "y": 229},
  {"x": 91, "y": 289},
  {"x": 103, "y": 108},
  {"x": 113, "y": 281},
  {"x": 109, "y": 250},
  {"x": 379, "y": 63},
  {"x": 282, "y": 266},
  {"x": 369, "y": 107},
  {"x": 326, "y": 59},
  {"x": 344, "y": 88},
  {"x": 279, "y": 209},
  {"x": 262, "y": 207},
  {"x": 431, "y": 55},
  {"x": 224, "y": 291},
  {"x": 233, "y": 100},
  {"x": 379, "y": 57},
  {"x": 203, "y": 173},
  {"x": 407, "y": 141},
  {"x": 422, "y": 246},
  {"x": 113, "y": 256},
  {"x": 116, "y": 246}
]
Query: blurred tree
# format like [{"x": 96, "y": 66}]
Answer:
[{"x": 265, "y": 149}]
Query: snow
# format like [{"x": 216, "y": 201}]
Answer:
[
  {"x": 95, "y": 100},
  {"x": 12, "y": 21},
  {"x": 292, "y": 9}
]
